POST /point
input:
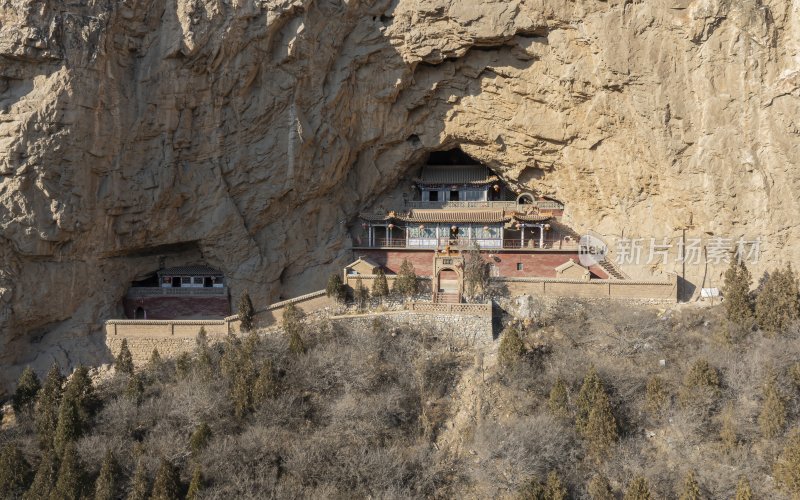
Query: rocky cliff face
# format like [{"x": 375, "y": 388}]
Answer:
[{"x": 248, "y": 133}]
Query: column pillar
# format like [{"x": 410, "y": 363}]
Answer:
[
  {"x": 522, "y": 244},
  {"x": 541, "y": 236}
]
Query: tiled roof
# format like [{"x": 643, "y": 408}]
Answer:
[
  {"x": 485, "y": 216},
  {"x": 190, "y": 271},
  {"x": 456, "y": 174},
  {"x": 532, "y": 217}
]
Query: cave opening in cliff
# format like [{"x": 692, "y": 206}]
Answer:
[{"x": 453, "y": 156}]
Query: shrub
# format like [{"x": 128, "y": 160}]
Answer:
[
  {"x": 335, "y": 288},
  {"x": 183, "y": 365},
  {"x": 591, "y": 389},
  {"x": 202, "y": 337},
  {"x": 743, "y": 491},
  {"x": 511, "y": 349},
  {"x": 167, "y": 483},
  {"x": 794, "y": 374},
  {"x": 599, "y": 489},
  {"x": 15, "y": 472},
  {"x": 28, "y": 386},
  {"x": 476, "y": 272},
  {"x": 700, "y": 384},
  {"x": 787, "y": 467},
  {"x": 200, "y": 438},
  {"x": 737, "y": 303},
  {"x": 778, "y": 305},
  {"x": 638, "y": 489},
  {"x": 105, "y": 487},
  {"x": 380, "y": 287},
  {"x": 265, "y": 385},
  {"x": 691, "y": 488},
  {"x": 559, "y": 400},
  {"x": 124, "y": 362},
  {"x": 406, "y": 283},
  {"x": 772, "y": 418},
  {"x": 245, "y": 310}
]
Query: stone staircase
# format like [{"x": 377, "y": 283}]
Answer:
[
  {"x": 612, "y": 270},
  {"x": 445, "y": 298}
]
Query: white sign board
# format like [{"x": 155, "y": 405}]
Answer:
[{"x": 709, "y": 292}]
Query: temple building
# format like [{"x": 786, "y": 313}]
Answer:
[
  {"x": 466, "y": 206},
  {"x": 185, "y": 292}
]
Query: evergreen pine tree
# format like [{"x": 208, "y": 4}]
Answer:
[
  {"x": 47, "y": 406},
  {"x": 140, "y": 485},
  {"x": 787, "y": 467},
  {"x": 554, "y": 489},
  {"x": 380, "y": 287},
  {"x": 590, "y": 391},
  {"x": 15, "y": 472},
  {"x": 105, "y": 487},
  {"x": 360, "y": 293},
  {"x": 778, "y": 303},
  {"x": 246, "y": 312},
  {"x": 638, "y": 489},
  {"x": 738, "y": 306},
  {"x": 202, "y": 337},
  {"x": 155, "y": 359},
  {"x": 200, "y": 438},
  {"x": 80, "y": 388},
  {"x": 124, "y": 362},
  {"x": 167, "y": 483},
  {"x": 511, "y": 349},
  {"x": 772, "y": 418},
  {"x": 183, "y": 365},
  {"x": 691, "y": 488},
  {"x": 700, "y": 384},
  {"x": 293, "y": 326},
  {"x": 335, "y": 288},
  {"x": 70, "y": 483},
  {"x": 656, "y": 395},
  {"x": 599, "y": 489},
  {"x": 28, "y": 386},
  {"x": 265, "y": 384},
  {"x": 743, "y": 491},
  {"x": 134, "y": 390},
  {"x": 559, "y": 400},
  {"x": 45, "y": 478},
  {"x": 68, "y": 428},
  {"x": 531, "y": 490},
  {"x": 601, "y": 427},
  {"x": 727, "y": 432},
  {"x": 242, "y": 391},
  {"x": 196, "y": 485},
  {"x": 406, "y": 283}
]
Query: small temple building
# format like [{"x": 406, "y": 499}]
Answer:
[
  {"x": 184, "y": 292},
  {"x": 464, "y": 205}
]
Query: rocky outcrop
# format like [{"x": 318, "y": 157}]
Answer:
[{"x": 248, "y": 133}]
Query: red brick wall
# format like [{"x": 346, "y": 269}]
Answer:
[
  {"x": 534, "y": 264},
  {"x": 179, "y": 307}
]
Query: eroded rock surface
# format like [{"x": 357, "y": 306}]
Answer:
[{"x": 249, "y": 133}]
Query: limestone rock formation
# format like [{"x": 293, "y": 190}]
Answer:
[{"x": 249, "y": 133}]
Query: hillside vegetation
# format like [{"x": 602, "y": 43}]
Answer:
[{"x": 582, "y": 400}]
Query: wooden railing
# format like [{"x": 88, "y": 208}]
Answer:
[
  {"x": 155, "y": 291},
  {"x": 483, "y": 243}
]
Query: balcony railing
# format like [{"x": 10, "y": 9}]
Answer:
[
  {"x": 438, "y": 205},
  {"x": 483, "y": 244},
  {"x": 154, "y": 291}
]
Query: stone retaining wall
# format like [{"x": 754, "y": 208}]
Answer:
[
  {"x": 661, "y": 291},
  {"x": 472, "y": 330}
]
